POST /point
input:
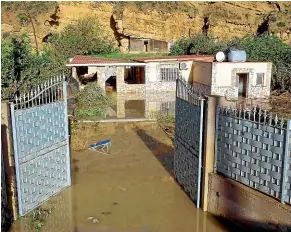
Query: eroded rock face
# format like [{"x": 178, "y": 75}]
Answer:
[{"x": 163, "y": 22}]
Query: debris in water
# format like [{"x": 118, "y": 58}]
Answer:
[
  {"x": 122, "y": 189},
  {"x": 95, "y": 220},
  {"x": 115, "y": 203},
  {"x": 106, "y": 213},
  {"x": 90, "y": 218}
]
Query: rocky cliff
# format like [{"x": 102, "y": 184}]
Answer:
[{"x": 166, "y": 21}]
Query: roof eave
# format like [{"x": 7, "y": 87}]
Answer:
[{"x": 106, "y": 64}]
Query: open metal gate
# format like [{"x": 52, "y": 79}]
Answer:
[
  {"x": 188, "y": 140},
  {"x": 41, "y": 144}
]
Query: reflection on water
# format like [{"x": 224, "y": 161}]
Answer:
[
  {"x": 133, "y": 105},
  {"x": 128, "y": 190}
]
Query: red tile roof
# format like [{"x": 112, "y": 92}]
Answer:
[
  {"x": 94, "y": 60},
  {"x": 179, "y": 58}
]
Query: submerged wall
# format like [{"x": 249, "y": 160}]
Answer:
[{"x": 230, "y": 199}]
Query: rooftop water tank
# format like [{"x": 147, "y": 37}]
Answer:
[{"x": 237, "y": 56}]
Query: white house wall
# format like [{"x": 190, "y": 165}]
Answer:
[
  {"x": 202, "y": 72},
  {"x": 187, "y": 73},
  {"x": 92, "y": 70},
  {"x": 153, "y": 80},
  {"x": 225, "y": 80}
]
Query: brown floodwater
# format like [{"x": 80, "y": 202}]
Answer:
[{"x": 129, "y": 190}]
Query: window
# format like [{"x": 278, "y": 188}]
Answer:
[
  {"x": 260, "y": 79},
  {"x": 170, "y": 73},
  {"x": 134, "y": 75}
]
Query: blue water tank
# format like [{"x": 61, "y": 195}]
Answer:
[{"x": 237, "y": 56}]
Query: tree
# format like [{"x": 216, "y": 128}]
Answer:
[
  {"x": 21, "y": 69},
  {"x": 198, "y": 44},
  {"x": 84, "y": 37},
  {"x": 28, "y": 13}
]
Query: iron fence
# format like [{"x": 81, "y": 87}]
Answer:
[
  {"x": 188, "y": 140},
  {"x": 48, "y": 92},
  {"x": 254, "y": 147}
]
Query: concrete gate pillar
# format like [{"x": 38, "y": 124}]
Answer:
[
  {"x": 8, "y": 158},
  {"x": 209, "y": 145}
]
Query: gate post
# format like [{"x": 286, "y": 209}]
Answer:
[
  {"x": 8, "y": 158},
  {"x": 285, "y": 162},
  {"x": 209, "y": 145},
  {"x": 67, "y": 129},
  {"x": 202, "y": 107}
]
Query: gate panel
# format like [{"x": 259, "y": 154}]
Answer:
[
  {"x": 40, "y": 136},
  {"x": 188, "y": 141}
]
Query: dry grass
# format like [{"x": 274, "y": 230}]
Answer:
[
  {"x": 281, "y": 105},
  {"x": 81, "y": 135}
]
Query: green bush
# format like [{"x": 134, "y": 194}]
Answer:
[
  {"x": 21, "y": 68},
  {"x": 84, "y": 37},
  {"x": 198, "y": 44},
  {"x": 92, "y": 101},
  {"x": 281, "y": 24}
]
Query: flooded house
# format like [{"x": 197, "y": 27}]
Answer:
[{"x": 145, "y": 85}]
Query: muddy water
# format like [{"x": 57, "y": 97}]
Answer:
[{"x": 131, "y": 189}]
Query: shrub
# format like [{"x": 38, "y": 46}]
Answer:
[
  {"x": 84, "y": 37},
  {"x": 21, "y": 68},
  {"x": 281, "y": 24},
  {"x": 92, "y": 101},
  {"x": 198, "y": 44}
]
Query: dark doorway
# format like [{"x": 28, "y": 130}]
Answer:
[
  {"x": 242, "y": 84},
  {"x": 146, "y": 46},
  {"x": 110, "y": 84}
]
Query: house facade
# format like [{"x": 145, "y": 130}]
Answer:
[
  {"x": 152, "y": 80},
  {"x": 233, "y": 79}
]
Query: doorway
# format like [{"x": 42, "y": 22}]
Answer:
[
  {"x": 242, "y": 84},
  {"x": 146, "y": 43}
]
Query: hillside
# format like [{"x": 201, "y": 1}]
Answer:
[{"x": 165, "y": 21}]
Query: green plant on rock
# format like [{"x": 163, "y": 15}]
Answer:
[
  {"x": 83, "y": 37},
  {"x": 281, "y": 24},
  {"x": 28, "y": 12},
  {"x": 92, "y": 101}
]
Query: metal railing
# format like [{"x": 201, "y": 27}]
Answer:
[
  {"x": 254, "y": 147},
  {"x": 48, "y": 92}
]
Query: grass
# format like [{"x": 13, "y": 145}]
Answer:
[
  {"x": 37, "y": 218},
  {"x": 118, "y": 55},
  {"x": 167, "y": 123}
]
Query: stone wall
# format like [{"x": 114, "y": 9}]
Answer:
[
  {"x": 101, "y": 76},
  {"x": 232, "y": 200},
  {"x": 153, "y": 80}
]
